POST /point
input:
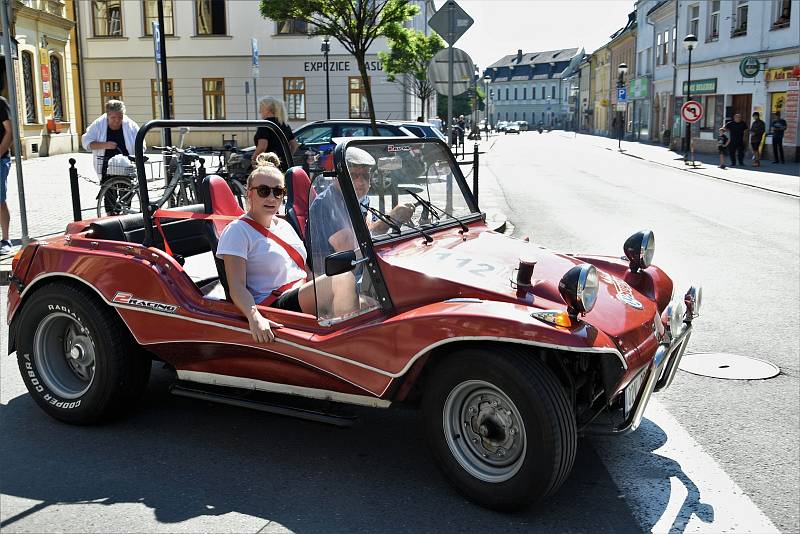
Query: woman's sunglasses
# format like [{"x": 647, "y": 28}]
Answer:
[{"x": 264, "y": 190}]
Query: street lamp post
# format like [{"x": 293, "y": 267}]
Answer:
[
  {"x": 488, "y": 79},
  {"x": 326, "y": 48},
  {"x": 622, "y": 69},
  {"x": 689, "y": 43}
]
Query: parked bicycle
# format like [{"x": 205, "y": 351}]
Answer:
[{"x": 119, "y": 192}]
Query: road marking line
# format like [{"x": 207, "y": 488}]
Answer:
[{"x": 672, "y": 484}]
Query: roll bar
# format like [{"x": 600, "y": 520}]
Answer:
[{"x": 144, "y": 198}]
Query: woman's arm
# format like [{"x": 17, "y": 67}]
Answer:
[
  {"x": 261, "y": 146},
  {"x": 260, "y": 326},
  {"x": 293, "y": 146}
]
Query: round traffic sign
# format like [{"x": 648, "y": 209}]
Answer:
[
  {"x": 463, "y": 71},
  {"x": 692, "y": 111}
]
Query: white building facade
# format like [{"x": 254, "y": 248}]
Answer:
[
  {"x": 208, "y": 46},
  {"x": 728, "y": 31}
]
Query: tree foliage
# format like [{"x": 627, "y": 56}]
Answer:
[
  {"x": 410, "y": 53},
  {"x": 356, "y": 24}
]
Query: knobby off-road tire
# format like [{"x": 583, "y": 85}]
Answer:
[
  {"x": 499, "y": 426},
  {"x": 78, "y": 362}
]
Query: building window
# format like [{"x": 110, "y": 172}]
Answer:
[
  {"x": 553, "y": 92},
  {"x": 506, "y": 93},
  {"x": 293, "y": 27},
  {"x": 359, "y": 108},
  {"x": 151, "y": 15},
  {"x": 515, "y": 93},
  {"x": 740, "y": 19},
  {"x": 694, "y": 20},
  {"x": 674, "y": 39},
  {"x": 665, "y": 52},
  {"x": 155, "y": 97},
  {"x": 213, "y": 98},
  {"x": 658, "y": 49},
  {"x": 524, "y": 93},
  {"x": 109, "y": 90},
  {"x": 524, "y": 115},
  {"x": 30, "y": 93},
  {"x": 55, "y": 80},
  {"x": 543, "y": 92},
  {"x": 210, "y": 17},
  {"x": 713, "y": 20},
  {"x": 783, "y": 13},
  {"x": 709, "y": 105},
  {"x": 294, "y": 94},
  {"x": 515, "y": 116},
  {"x": 107, "y": 18}
]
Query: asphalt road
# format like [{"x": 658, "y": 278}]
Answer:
[{"x": 710, "y": 456}]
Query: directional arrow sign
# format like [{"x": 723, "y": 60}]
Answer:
[
  {"x": 692, "y": 111},
  {"x": 450, "y": 22}
]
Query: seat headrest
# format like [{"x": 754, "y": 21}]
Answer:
[{"x": 219, "y": 200}]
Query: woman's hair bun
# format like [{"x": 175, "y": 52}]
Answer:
[{"x": 268, "y": 159}]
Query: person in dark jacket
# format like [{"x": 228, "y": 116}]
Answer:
[
  {"x": 274, "y": 110},
  {"x": 757, "y": 132},
  {"x": 778, "y": 128},
  {"x": 736, "y": 129}
]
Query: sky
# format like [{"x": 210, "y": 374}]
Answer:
[{"x": 503, "y": 26}]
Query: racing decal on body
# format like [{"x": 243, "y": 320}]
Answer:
[
  {"x": 398, "y": 148},
  {"x": 126, "y": 298},
  {"x": 624, "y": 291}
]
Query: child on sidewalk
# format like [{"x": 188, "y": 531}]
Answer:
[{"x": 722, "y": 146}]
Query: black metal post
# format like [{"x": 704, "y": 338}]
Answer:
[
  {"x": 75, "y": 191},
  {"x": 162, "y": 44},
  {"x": 326, "y": 48},
  {"x": 620, "y": 127},
  {"x": 475, "y": 173},
  {"x": 689, "y": 124}
]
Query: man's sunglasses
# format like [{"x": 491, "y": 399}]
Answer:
[{"x": 264, "y": 190}]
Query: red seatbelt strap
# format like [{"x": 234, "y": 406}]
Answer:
[
  {"x": 169, "y": 214},
  {"x": 272, "y": 297},
  {"x": 290, "y": 250}
]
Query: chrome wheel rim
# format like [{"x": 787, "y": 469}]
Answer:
[
  {"x": 64, "y": 354},
  {"x": 484, "y": 431}
]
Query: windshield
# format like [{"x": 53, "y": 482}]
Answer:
[{"x": 406, "y": 186}]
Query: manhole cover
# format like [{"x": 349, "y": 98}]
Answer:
[{"x": 728, "y": 366}]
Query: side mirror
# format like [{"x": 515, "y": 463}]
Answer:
[{"x": 340, "y": 262}]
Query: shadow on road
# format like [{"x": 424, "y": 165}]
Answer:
[{"x": 185, "y": 459}]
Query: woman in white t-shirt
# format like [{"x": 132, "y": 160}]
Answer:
[{"x": 264, "y": 257}]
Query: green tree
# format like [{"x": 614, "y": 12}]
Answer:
[
  {"x": 410, "y": 52},
  {"x": 354, "y": 23}
]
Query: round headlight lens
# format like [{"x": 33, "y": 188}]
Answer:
[
  {"x": 676, "y": 311},
  {"x": 639, "y": 249},
  {"x": 579, "y": 288}
]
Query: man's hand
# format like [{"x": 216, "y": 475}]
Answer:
[
  {"x": 402, "y": 213},
  {"x": 109, "y": 145}
]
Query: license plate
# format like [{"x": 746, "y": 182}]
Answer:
[{"x": 632, "y": 392}]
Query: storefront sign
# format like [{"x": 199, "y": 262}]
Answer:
[
  {"x": 790, "y": 113},
  {"x": 782, "y": 73},
  {"x": 339, "y": 66},
  {"x": 638, "y": 88},
  {"x": 47, "y": 97},
  {"x": 749, "y": 67},
  {"x": 702, "y": 87}
]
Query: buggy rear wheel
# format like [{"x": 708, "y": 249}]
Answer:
[
  {"x": 499, "y": 426},
  {"x": 77, "y": 360}
]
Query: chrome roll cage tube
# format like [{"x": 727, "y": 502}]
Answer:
[{"x": 659, "y": 375}]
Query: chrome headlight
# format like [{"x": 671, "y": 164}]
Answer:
[
  {"x": 675, "y": 314},
  {"x": 639, "y": 249},
  {"x": 579, "y": 288},
  {"x": 693, "y": 300}
]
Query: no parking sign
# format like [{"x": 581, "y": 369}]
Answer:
[{"x": 692, "y": 111}]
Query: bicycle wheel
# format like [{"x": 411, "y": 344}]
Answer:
[{"x": 119, "y": 195}]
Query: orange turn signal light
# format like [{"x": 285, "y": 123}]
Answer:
[
  {"x": 554, "y": 317},
  {"x": 16, "y": 258}
]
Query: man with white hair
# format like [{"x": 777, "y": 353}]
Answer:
[
  {"x": 331, "y": 229},
  {"x": 110, "y": 134}
]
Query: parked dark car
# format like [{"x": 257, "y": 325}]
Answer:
[{"x": 423, "y": 130}]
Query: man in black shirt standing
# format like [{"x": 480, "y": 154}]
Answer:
[
  {"x": 736, "y": 128},
  {"x": 778, "y": 128}
]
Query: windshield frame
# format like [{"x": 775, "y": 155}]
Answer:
[{"x": 407, "y": 232}]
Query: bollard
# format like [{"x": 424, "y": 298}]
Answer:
[
  {"x": 75, "y": 190},
  {"x": 475, "y": 173}
]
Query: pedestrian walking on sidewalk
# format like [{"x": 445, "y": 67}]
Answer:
[
  {"x": 758, "y": 132},
  {"x": 778, "y": 128},
  {"x": 722, "y": 146},
  {"x": 736, "y": 129},
  {"x": 5, "y": 167},
  {"x": 273, "y": 110}
]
